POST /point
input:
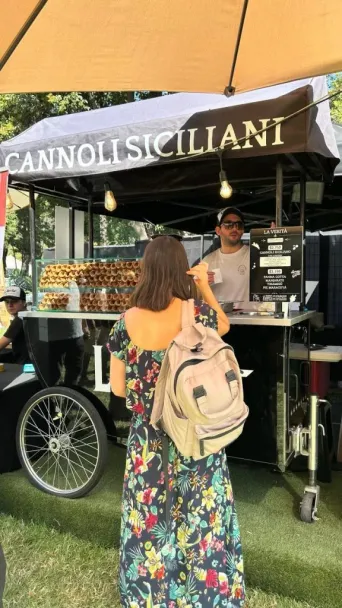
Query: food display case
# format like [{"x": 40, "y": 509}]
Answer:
[{"x": 96, "y": 285}]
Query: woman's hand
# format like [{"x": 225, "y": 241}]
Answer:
[
  {"x": 200, "y": 274},
  {"x": 202, "y": 278}
]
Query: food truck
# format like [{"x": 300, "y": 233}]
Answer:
[{"x": 160, "y": 161}]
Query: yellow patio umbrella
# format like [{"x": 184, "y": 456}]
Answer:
[
  {"x": 16, "y": 200},
  {"x": 172, "y": 45}
]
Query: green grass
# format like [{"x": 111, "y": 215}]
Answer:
[
  {"x": 282, "y": 554},
  {"x": 47, "y": 569}
]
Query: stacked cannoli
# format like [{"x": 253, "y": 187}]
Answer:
[
  {"x": 101, "y": 302},
  {"x": 92, "y": 302},
  {"x": 54, "y": 301},
  {"x": 91, "y": 274}
]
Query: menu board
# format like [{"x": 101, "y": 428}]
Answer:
[{"x": 276, "y": 264}]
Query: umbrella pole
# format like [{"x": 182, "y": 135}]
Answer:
[
  {"x": 279, "y": 210},
  {"x": 32, "y": 228},
  {"x": 90, "y": 228},
  {"x": 302, "y": 193}
]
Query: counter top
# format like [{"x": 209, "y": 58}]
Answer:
[
  {"x": 235, "y": 318},
  {"x": 96, "y": 316},
  {"x": 294, "y": 318},
  {"x": 329, "y": 354}
]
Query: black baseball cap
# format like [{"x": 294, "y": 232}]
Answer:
[
  {"x": 13, "y": 293},
  {"x": 229, "y": 211}
]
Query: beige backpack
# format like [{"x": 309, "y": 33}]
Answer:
[{"x": 198, "y": 399}]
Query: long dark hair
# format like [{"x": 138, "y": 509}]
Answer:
[{"x": 163, "y": 275}]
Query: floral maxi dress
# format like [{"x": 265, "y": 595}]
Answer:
[{"x": 193, "y": 560}]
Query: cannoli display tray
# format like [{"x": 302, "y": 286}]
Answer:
[{"x": 86, "y": 285}]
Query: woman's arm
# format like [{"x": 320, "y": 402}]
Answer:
[
  {"x": 200, "y": 272},
  {"x": 117, "y": 376}
]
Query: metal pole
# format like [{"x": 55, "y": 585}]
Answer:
[
  {"x": 32, "y": 228},
  {"x": 202, "y": 245},
  {"x": 302, "y": 196},
  {"x": 279, "y": 194},
  {"x": 90, "y": 229},
  {"x": 71, "y": 232},
  {"x": 313, "y": 438},
  {"x": 279, "y": 211}
]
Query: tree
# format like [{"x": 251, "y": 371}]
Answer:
[
  {"x": 335, "y": 84},
  {"x": 17, "y": 237},
  {"x": 19, "y": 112},
  {"x": 114, "y": 231}
]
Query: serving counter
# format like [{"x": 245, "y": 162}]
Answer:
[
  {"x": 261, "y": 342},
  {"x": 262, "y": 346}
]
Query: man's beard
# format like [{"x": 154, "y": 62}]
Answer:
[{"x": 227, "y": 242}]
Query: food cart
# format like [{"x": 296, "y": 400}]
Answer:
[{"x": 160, "y": 160}]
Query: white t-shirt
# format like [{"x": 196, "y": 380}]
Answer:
[{"x": 235, "y": 269}]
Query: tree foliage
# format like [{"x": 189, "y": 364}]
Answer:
[
  {"x": 335, "y": 83},
  {"x": 19, "y": 112}
]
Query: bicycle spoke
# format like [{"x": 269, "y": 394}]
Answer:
[
  {"x": 40, "y": 432},
  {"x": 84, "y": 458},
  {"x": 69, "y": 454},
  {"x": 80, "y": 465}
]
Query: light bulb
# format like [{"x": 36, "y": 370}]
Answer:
[
  {"x": 226, "y": 190},
  {"x": 110, "y": 202},
  {"x": 9, "y": 201}
]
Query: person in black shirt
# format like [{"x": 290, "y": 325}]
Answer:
[{"x": 15, "y": 300}]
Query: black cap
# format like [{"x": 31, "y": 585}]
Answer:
[
  {"x": 229, "y": 211},
  {"x": 13, "y": 292}
]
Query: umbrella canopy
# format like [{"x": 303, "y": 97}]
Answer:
[
  {"x": 158, "y": 156},
  {"x": 16, "y": 200},
  {"x": 157, "y": 45}
]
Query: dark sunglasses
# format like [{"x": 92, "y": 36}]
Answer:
[
  {"x": 231, "y": 225},
  {"x": 178, "y": 237}
]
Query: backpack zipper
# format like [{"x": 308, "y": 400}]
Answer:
[
  {"x": 201, "y": 441},
  {"x": 194, "y": 362}
]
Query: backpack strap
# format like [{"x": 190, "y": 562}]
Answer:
[
  {"x": 188, "y": 313},
  {"x": 159, "y": 391}
]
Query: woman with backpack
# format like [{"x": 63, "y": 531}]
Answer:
[{"x": 180, "y": 539}]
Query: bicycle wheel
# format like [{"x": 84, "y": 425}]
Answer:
[{"x": 62, "y": 442}]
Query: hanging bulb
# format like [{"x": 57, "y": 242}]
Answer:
[
  {"x": 109, "y": 202},
  {"x": 226, "y": 190},
  {"x": 9, "y": 202}
]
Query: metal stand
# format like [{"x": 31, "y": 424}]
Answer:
[
  {"x": 32, "y": 227},
  {"x": 309, "y": 505},
  {"x": 305, "y": 443}
]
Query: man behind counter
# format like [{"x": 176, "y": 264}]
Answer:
[
  {"x": 231, "y": 260},
  {"x": 15, "y": 300}
]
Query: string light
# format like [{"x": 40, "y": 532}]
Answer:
[
  {"x": 226, "y": 190},
  {"x": 110, "y": 201}
]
